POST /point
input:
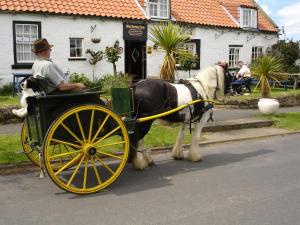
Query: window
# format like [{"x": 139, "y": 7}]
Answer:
[
  {"x": 159, "y": 8},
  {"x": 248, "y": 18},
  {"x": 234, "y": 56},
  {"x": 76, "y": 48},
  {"x": 193, "y": 47},
  {"x": 256, "y": 52},
  {"x": 25, "y": 33}
]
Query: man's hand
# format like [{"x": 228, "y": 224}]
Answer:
[{"x": 80, "y": 87}]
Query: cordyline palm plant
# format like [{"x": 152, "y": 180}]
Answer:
[
  {"x": 266, "y": 68},
  {"x": 169, "y": 37}
]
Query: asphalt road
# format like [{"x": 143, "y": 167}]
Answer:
[{"x": 253, "y": 182}]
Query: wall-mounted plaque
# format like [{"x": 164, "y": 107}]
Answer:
[{"x": 135, "y": 31}]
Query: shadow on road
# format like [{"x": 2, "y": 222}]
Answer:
[{"x": 159, "y": 175}]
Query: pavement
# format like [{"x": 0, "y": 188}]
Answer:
[{"x": 229, "y": 125}]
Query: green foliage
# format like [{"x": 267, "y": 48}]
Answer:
[
  {"x": 288, "y": 51},
  {"x": 109, "y": 80},
  {"x": 96, "y": 56},
  {"x": 169, "y": 36},
  {"x": 266, "y": 68},
  {"x": 80, "y": 78},
  {"x": 112, "y": 55},
  {"x": 188, "y": 62},
  {"x": 6, "y": 89}
]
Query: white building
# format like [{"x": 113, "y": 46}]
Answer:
[{"x": 221, "y": 30}]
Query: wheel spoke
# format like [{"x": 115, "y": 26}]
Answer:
[
  {"x": 105, "y": 165},
  {"x": 70, "y": 132},
  {"x": 96, "y": 171},
  {"x": 107, "y": 135},
  {"x": 68, "y": 164},
  {"x": 111, "y": 144},
  {"x": 75, "y": 172},
  {"x": 64, "y": 154},
  {"x": 60, "y": 158},
  {"x": 100, "y": 128},
  {"x": 91, "y": 126},
  {"x": 80, "y": 126},
  {"x": 65, "y": 143},
  {"x": 85, "y": 172},
  {"x": 111, "y": 155}
]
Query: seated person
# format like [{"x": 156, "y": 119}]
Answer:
[
  {"x": 243, "y": 77},
  {"x": 44, "y": 67}
]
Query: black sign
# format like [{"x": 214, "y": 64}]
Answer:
[{"x": 135, "y": 31}]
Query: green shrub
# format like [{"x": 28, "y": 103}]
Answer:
[
  {"x": 109, "y": 80},
  {"x": 6, "y": 89},
  {"x": 80, "y": 78}
]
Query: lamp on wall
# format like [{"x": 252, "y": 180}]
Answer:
[{"x": 117, "y": 44}]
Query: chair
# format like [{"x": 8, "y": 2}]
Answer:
[{"x": 17, "y": 78}]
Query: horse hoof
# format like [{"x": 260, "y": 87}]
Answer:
[
  {"x": 178, "y": 157},
  {"x": 151, "y": 163},
  {"x": 195, "y": 158}
]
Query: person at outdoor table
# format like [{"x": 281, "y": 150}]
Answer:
[
  {"x": 44, "y": 67},
  {"x": 243, "y": 76}
]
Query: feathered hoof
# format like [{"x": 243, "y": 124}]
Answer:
[
  {"x": 178, "y": 155},
  {"x": 139, "y": 162},
  {"x": 194, "y": 157}
]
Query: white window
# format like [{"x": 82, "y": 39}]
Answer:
[
  {"x": 159, "y": 8},
  {"x": 234, "y": 56},
  {"x": 256, "y": 52},
  {"x": 76, "y": 48},
  {"x": 248, "y": 18},
  {"x": 25, "y": 35}
]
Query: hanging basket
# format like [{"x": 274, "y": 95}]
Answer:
[{"x": 96, "y": 40}]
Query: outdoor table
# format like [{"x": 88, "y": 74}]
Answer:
[
  {"x": 16, "y": 81},
  {"x": 295, "y": 77}
]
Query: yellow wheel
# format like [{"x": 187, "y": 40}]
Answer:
[
  {"x": 96, "y": 148},
  {"x": 29, "y": 149}
]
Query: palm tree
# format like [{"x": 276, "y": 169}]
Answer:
[
  {"x": 169, "y": 37},
  {"x": 265, "y": 68}
]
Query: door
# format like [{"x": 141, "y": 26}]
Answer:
[{"x": 135, "y": 59}]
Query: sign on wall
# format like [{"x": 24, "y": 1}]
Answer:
[{"x": 135, "y": 31}]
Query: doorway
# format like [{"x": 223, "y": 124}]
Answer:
[{"x": 135, "y": 59}]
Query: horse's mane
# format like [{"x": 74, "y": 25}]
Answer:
[{"x": 207, "y": 77}]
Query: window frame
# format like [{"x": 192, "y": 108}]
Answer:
[
  {"x": 256, "y": 54},
  {"x": 235, "y": 59},
  {"x": 252, "y": 17},
  {"x": 23, "y": 65},
  {"x": 158, "y": 4},
  {"x": 82, "y": 49}
]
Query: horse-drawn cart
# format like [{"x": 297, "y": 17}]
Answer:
[{"x": 84, "y": 145}]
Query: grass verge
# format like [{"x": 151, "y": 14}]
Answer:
[
  {"x": 8, "y": 101},
  {"x": 158, "y": 136},
  {"x": 289, "y": 121}
]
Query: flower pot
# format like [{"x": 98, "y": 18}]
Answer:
[{"x": 268, "y": 105}]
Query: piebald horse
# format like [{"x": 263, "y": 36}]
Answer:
[{"x": 156, "y": 96}]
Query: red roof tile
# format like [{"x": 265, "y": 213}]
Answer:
[
  {"x": 204, "y": 12},
  {"x": 127, "y": 9}
]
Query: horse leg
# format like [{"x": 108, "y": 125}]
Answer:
[
  {"x": 139, "y": 160},
  {"x": 177, "y": 152},
  {"x": 194, "y": 151}
]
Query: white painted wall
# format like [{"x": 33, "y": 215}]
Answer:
[{"x": 58, "y": 30}]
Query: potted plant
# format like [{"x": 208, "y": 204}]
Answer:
[
  {"x": 169, "y": 37},
  {"x": 264, "y": 69}
]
